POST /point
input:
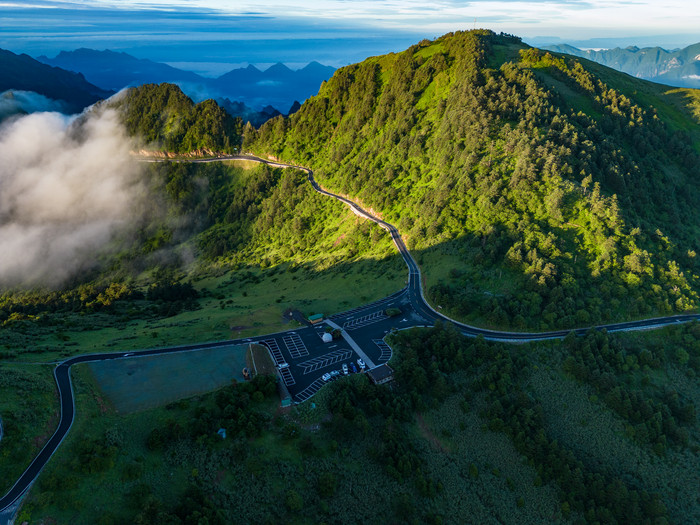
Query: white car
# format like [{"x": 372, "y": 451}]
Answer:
[
  {"x": 283, "y": 365},
  {"x": 326, "y": 377},
  {"x": 345, "y": 369},
  {"x": 361, "y": 363}
]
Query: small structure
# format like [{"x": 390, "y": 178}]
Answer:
[
  {"x": 246, "y": 374},
  {"x": 381, "y": 374},
  {"x": 316, "y": 318},
  {"x": 222, "y": 433},
  {"x": 327, "y": 337}
]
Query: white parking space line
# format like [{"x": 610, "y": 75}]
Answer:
[
  {"x": 287, "y": 377},
  {"x": 310, "y": 390},
  {"x": 274, "y": 350},
  {"x": 385, "y": 348},
  {"x": 365, "y": 320},
  {"x": 295, "y": 345},
  {"x": 325, "y": 360}
]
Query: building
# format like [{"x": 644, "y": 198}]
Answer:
[
  {"x": 316, "y": 318},
  {"x": 381, "y": 374}
]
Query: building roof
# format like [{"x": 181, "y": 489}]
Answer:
[
  {"x": 315, "y": 317},
  {"x": 381, "y": 372}
]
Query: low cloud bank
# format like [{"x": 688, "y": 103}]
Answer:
[
  {"x": 68, "y": 189},
  {"x": 13, "y": 102}
]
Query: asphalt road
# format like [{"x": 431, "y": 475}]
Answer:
[{"x": 302, "y": 349}]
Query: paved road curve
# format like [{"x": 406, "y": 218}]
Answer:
[
  {"x": 422, "y": 306},
  {"x": 416, "y": 299}
]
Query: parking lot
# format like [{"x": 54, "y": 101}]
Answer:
[{"x": 306, "y": 363}]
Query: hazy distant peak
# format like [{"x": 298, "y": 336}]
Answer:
[
  {"x": 316, "y": 67},
  {"x": 676, "y": 67},
  {"x": 279, "y": 68}
]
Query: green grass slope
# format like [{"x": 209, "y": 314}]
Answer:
[{"x": 575, "y": 183}]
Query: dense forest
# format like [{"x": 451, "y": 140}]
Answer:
[
  {"x": 468, "y": 428},
  {"x": 489, "y": 154},
  {"x": 163, "y": 118}
]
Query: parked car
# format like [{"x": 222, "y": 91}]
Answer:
[
  {"x": 335, "y": 373},
  {"x": 283, "y": 365},
  {"x": 353, "y": 368},
  {"x": 361, "y": 364},
  {"x": 326, "y": 377},
  {"x": 345, "y": 369}
]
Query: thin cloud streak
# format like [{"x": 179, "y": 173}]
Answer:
[{"x": 220, "y": 30}]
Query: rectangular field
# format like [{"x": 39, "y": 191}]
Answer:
[{"x": 138, "y": 383}]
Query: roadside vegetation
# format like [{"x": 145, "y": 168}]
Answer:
[
  {"x": 576, "y": 183},
  {"x": 29, "y": 412},
  {"x": 494, "y": 431}
]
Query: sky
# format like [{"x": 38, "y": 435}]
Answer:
[{"x": 211, "y": 35}]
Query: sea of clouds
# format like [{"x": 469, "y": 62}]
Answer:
[{"x": 68, "y": 188}]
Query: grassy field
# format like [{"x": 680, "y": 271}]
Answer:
[
  {"x": 350, "y": 263},
  {"x": 62, "y": 486},
  {"x": 139, "y": 383},
  {"x": 29, "y": 410}
]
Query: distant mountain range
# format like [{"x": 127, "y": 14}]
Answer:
[
  {"x": 114, "y": 71},
  {"x": 680, "y": 67},
  {"x": 277, "y": 86},
  {"x": 23, "y": 73}
]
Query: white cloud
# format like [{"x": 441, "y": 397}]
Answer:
[
  {"x": 587, "y": 18},
  {"x": 66, "y": 192}
]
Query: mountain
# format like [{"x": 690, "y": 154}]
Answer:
[
  {"x": 23, "y": 73},
  {"x": 534, "y": 190},
  {"x": 540, "y": 191},
  {"x": 277, "y": 86},
  {"x": 112, "y": 70},
  {"x": 163, "y": 118},
  {"x": 679, "y": 67}
]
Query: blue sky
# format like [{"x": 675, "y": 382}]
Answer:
[{"x": 218, "y": 33}]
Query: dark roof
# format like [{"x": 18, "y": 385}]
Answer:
[{"x": 378, "y": 373}]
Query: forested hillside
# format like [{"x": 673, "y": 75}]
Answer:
[
  {"x": 536, "y": 191},
  {"x": 236, "y": 225},
  {"x": 162, "y": 117}
]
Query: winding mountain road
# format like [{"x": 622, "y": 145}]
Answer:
[{"x": 10, "y": 501}]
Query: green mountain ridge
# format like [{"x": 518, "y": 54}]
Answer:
[
  {"x": 491, "y": 155},
  {"x": 162, "y": 117}
]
